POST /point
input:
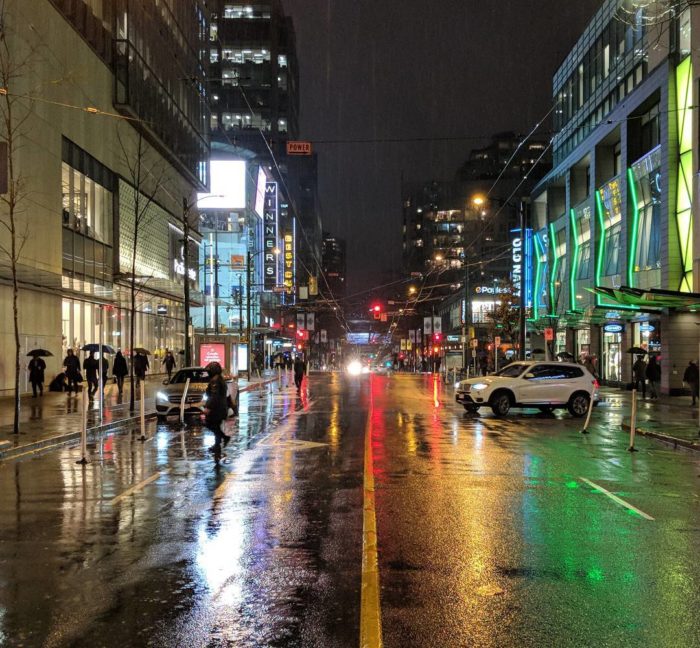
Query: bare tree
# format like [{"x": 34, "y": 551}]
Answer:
[
  {"x": 15, "y": 110},
  {"x": 504, "y": 320},
  {"x": 146, "y": 179}
]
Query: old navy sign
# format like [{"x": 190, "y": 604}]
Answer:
[
  {"x": 270, "y": 226},
  {"x": 521, "y": 268}
]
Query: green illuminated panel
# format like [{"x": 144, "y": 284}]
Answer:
[
  {"x": 634, "y": 227},
  {"x": 539, "y": 252},
  {"x": 684, "y": 200},
  {"x": 573, "y": 268},
  {"x": 553, "y": 273}
]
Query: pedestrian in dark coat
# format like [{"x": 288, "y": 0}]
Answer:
[
  {"x": 217, "y": 407},
  {"x": 654, "y": 377},
  {"x": 169, "y": 363},
  {"x": 299, "y": 371},
  {"x": 692, "y": 377},
  {"x": 120, "y": 370},
  {"x": 91, "y": 367},
  {"x": 36, "y": 367},
  {"x": 639, "y": 377},
  {"x": 72, "y": 366},
  {"x": 141, "y": 366}
]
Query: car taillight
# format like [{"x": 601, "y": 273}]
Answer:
[{"x": 596, "y": 384}]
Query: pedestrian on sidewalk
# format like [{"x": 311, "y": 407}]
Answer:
[
  {"x": 654, "y": 377},
  {"x": 217, "y": 407},
  {"x": 120, "y": 371},
  {"x": 91, "y": 367},
  {"x": 299, "y": 371},
  {"x": 36, "y": 367},
  {"x": 72, "y": 366},
  {"x": 692, "y": 377},
  {"x": 169, "y": 363},
  {"x": 639, "y": 375},
  {"x": 141, "y": 366},
  {"x": 590, "y": 364}
]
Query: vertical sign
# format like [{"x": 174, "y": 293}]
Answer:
[
  {"x": 289, "y": 262},
  {"x": 428, "y": 325},
  {"x": 301, "y": 322},
  {"x": 270, "y": 214},
  {"x": 311, "y": 321},
  {"x": 516, "y": 271},
  {"x": 437, "y": 324}
]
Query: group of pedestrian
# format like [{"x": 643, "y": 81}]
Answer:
[{"x": 643, "y": 372}]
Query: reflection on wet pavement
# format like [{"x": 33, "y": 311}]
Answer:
[{"x": 488, "y": 533}]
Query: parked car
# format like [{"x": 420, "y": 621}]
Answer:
[
  {"x": 544, "y": 385},
  {"x": 168, "y": 398}
]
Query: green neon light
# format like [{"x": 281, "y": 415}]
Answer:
[
  {"x": 635, "y": 228},
  {"x": 601, "y": 245},
  {"x": 553, "y": 274},
  {"x": 684, "y": 201},
  {"x": 539, "y": 252},
  {"x": 573, "y": 269}
]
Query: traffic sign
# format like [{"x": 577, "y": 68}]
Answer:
[
  {"x": 497, "y": 340},
  {"x": 549, "y": 334}
]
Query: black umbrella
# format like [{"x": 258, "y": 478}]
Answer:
[
  {"x": 40, "y": 353},
  {"x": 565, "y": 355},
  {"x": 142, "y": 350},
  {"x": 636, "y": 351},
  {"x": 95, "y": 348}
]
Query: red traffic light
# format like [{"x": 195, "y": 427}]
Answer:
[
  {"x": 376, "y": 308},
  {"x": 437, "y": 337}
]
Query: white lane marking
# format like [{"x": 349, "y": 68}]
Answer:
[
  {"x": 139, "y": 486},
  {"x": 615, "y": 498}
]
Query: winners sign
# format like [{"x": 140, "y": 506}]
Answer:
[{"x": 270, "y": 225}]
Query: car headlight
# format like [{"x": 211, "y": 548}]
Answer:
[
  {"x": 479, "y": 386},
  {"x": 204, "y": 397},
  {"x": 354, "y": 368},
  {"x": 161, "y": 396},
  {"x": 457, "y": 385}
]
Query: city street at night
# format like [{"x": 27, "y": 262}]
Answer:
[{"x": 490, "y": 532}]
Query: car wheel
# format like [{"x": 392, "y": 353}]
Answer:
[
  {"x": 545, "y": 409},
  {"x": 578, "y": 404},
  {"x": 472, "y": 409},
  {"x": 500, "y": 404}
]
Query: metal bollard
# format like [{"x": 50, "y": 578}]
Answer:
[
  {"x": 83, "y": 428},
  {"x": 183, "y": 400},
  {"x": 588, "y": 416},
  {"x": 633, "y": 421},
  {"x": 142, "y": 409}
]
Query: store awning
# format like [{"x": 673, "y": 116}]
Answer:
[{"x": 646, "y": 299}]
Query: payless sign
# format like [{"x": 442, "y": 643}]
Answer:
[{"x": 270, "y": 214}]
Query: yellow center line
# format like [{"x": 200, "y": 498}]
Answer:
[
  {"x": 370, "y": 611},
  {"x": 617, "y": 499},
  {"x": 139, "y": 486}
]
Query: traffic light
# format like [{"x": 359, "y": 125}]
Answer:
[
  {"x": 437, "y": 337},
  {"x": 376, "y": 311}
]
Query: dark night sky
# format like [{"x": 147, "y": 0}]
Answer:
[{"x": 416, "y": 68}]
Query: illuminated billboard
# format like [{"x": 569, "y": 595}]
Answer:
[
  {"x": 212, "y": 352},
  {"x": 227, "y": 186},
  {"x": 260, "y": 193},
  {"x": 270, "y": 225}
]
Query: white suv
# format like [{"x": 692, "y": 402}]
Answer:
[{"x": 544, "y": 385}]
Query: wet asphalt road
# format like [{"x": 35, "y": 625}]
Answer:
[{"x": 490, "y": 532}]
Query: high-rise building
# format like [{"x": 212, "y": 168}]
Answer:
[
  {"x": 110, "y": 135},
  {"x": 615, "y": 262},
  {"x": 334, "y": 266}
]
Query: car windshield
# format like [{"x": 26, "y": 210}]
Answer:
[
  {"x": 512, "y": 370},
  {"x": 195, "y": 376}
]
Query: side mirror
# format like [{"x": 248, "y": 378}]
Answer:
[{"x": 529, "y": 376}]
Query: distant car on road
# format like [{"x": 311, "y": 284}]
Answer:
[
  {"x": 168, "y": 398},
  {"x": 544, "y": 385}
]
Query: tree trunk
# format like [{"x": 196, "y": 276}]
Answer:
[{"x": 15, "y": 316}]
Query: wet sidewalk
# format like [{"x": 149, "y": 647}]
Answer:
[
  {"x": 668, "y": 418},
  {"x": 54, "y": 418}
]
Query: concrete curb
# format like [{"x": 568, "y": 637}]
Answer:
[
  {"x": 68, "y": 437},
  {"x": 664, "y": 438},
  {"x": 92, "y": 433}
]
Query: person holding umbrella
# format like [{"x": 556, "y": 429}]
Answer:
[
  {"x": 141, "y": 365},
  {"x": 169, "y": 363},
  {"x": 639, "y": 375},
  {"x": 36, "y": 368}
]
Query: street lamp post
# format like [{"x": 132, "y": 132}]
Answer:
[{"x": 186, "y": 235}]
